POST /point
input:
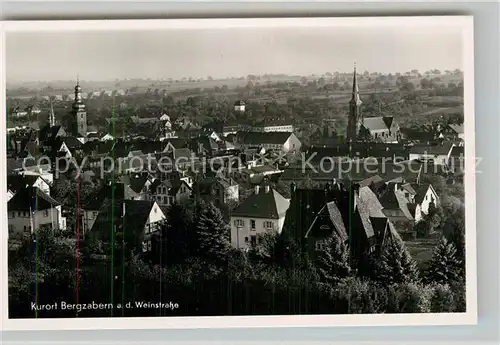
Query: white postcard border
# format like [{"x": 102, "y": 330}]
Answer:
[{"x": 467, "y": 318}]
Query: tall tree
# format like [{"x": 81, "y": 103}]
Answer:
[
  {"x": 179, "y": 234},
  {"x": 333, "y": 261},
  {"x": 445, "y": 267},
  {"x": 212, "y": 233},
  {"x": 396, "y": 265}
]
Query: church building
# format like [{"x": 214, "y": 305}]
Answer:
[{"x": 359, "y": 128}]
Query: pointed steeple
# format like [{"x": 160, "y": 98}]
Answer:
[
  {"x": 52, "y": 116},
  {"x": 355, "y": 89}
]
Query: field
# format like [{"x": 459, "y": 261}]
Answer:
[{"x": 421, "y": 249}]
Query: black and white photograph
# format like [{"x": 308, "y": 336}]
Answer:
[{"x": 238, "y": 173}]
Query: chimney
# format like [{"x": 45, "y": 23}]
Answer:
[
  {"x": 257, "y": 189},
  {"x": 396, "y": 187}
]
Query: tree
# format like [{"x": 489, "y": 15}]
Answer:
[
  {"x": 179, "y": 235},
  {"x": 444, "y": 266},
  {"x": 396, "y": 265},
  {"x": 333, "y": 261},
  {"x": 430, "y": 222},
  {"x": 212, "y": 233},
  {"x": 442, "y": 299}
]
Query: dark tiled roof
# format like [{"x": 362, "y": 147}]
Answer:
[
  {"x": 258, "y": 138},
  {"x": 416, "y": 134},
  {"x": 421, "y": 191},
  {"x": 442, "y": 149},
  {"x": 177, "y": 143},
  {"x": 134, "y": 221},
  {"x": 457, "y": 151},
  {"x": 31, "y": 198},
  {"x": 18, "y": 182},
  {"x": 105, "y": 193},
  {"x": 271, "y": 205},
  {"x": 72, "y": 142},
  {"x": 459, "y": 129},
  {"x": 337, "y": 219},
  {"x": 135, "y": 181},
  {"x": 48, "y": 133}
]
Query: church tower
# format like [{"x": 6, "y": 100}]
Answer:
[
  {"x": 354, "y": 110},
  {"x": 52, "y": 115},
  {"x": 79, "y": 113}
]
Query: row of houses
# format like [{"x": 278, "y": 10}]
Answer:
[{"x": 363, "y": 215}]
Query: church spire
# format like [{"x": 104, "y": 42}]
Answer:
[
  {"x": 355, "y": 117},
  {"x": 355, "y": 89},
  {"x": 52, "y": 116}
]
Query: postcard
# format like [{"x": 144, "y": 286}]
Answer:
[{"x": 216, "y": 173}]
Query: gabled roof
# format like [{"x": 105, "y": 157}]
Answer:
[
  {"x": 71, "y": 142},
  {"x": 337, "y": 220},
  {"x": 133, "y": 222},
  {"x": 31, "y": 198},
  {"x": 18, "y": 182},
  {"x": 368, "y": 206},
  {"x": 421, "y": 192},
  {"x": 395, "y": 200},
  {"x": 135, "y": 181},
  {"x": 270, "y": 205},
  {"x": 375, "y": 123},
  {"x": 409, "y": 188},
  {"x": 110, "y": 191},
  {"x": 177, "y": 143},
  {"x": 48, "y": 133},
  {"x": 459, "y": 129},
  {"x": 442, "y": 149},
  {"x": 208, "y": 143},
  {"x": 183, "y": 152}
]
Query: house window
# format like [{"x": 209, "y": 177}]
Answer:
[
  {"x": 246, "y": 239},
  {"x": 11, "y": 228},
  {"x": 239, "y": 223},
  {"x": 320, "y": 245},
  {"x": 19, "y": 214},
  {"x": 252, "y": 224},
  {"x": 144, "y": 247},
  {"x": 13, "y": 214},
  {"x": 268, "y": 225},
  {"x": 376, "y": 135},
  {"x": 45, "y": 213}
]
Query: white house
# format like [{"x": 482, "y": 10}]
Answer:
[
  {"x": 425, "y": 195},
  {"x": 107, "y": 137},
  {"x": 15, "y": 183},
  {"x": 155, "y": 217},
  {"x": 438, "y": 154},
  {"x": 239, "y": 106},
  {"x": 281, "y": 141},
  {"x": 262, "y": 212},
  {"x": 32, "y": 209}
]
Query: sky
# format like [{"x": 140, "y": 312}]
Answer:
[{"x": 235, "y": 52}]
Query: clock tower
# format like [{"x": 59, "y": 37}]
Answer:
[{"x": 79, "y": 113}]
